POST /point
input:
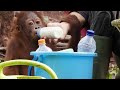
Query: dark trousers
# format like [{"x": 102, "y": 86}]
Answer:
[
  {"x": 108, "y": 42},
  {"x": 101, "y": 62}
]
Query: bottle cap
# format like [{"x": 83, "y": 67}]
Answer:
[
  {"x": 90, "y": 32},
  {"x": 41, "y": 41}
]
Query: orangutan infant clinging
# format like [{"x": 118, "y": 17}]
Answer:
[{"x": 24, "y": 40}]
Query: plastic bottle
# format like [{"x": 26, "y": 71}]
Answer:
[
  {"x": 42, "y": 46},
  {"x": 50, "y": 32},
  {"x": 87, "y": 43}
]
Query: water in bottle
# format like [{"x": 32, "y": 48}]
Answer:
[{"x": 87, "y": 43}]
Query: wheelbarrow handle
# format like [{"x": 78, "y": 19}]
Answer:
[{"x": 26, "y": 62}]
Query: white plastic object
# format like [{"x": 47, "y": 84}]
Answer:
[{"x": 50, "y": 32}]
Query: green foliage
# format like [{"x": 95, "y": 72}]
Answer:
[{"x": 113, "y": 70}]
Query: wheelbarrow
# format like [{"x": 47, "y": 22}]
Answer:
[{"x": 25, "y": 62}]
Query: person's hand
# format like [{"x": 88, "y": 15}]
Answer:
[
  {"x": 62, "y": 43},
  {"x": 59, "y": 44},
  {"x": 64, "y": 25}
]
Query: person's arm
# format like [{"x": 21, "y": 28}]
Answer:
[
  {"x": 72, "y": 24},
  {"x": 75, "y": 16},
  {"x": 73, "y": 21}
]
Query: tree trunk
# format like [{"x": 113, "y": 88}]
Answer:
[{"x": 5, "y": 28}]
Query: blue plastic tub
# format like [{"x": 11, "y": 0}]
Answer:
[{"x": 67, "y": 65}]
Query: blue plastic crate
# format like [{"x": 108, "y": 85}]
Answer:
[{"x": 67, "y": 65}]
